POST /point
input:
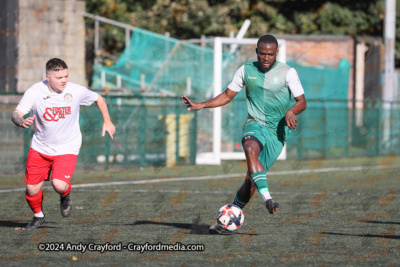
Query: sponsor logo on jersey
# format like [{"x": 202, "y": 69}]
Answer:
[
  {"x": 68, "y": 97},
  {"x": 56, "y": 113},
  {"x": 249, "y": 77},
  {"x": 46, "y": 97},
  {"x": 67, "y": 176}
]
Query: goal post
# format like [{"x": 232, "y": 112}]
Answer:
[{"x": 215, "y": 157}]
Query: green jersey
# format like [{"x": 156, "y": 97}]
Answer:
[{"x": 268, "y": 94}]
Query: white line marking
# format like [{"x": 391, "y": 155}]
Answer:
[
  {"x": 209, "y": 177},
  {"x": 358, "y": 168},
  {"x": 228, "y": 192}
]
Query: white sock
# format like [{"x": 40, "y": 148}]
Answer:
[
  {"x": 40, "y": 214},
  {"x": 266, "y": 196}
]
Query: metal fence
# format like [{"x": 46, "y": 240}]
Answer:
[
  {"x": 159, "y": 131},
  {"x": 330, "y": 128}
]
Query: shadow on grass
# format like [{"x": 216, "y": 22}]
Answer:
[
  {"x": 383, "y": 222},
  {"x": 365, "y": 235},
  {"x": 14, "y": 224},
  {"x": 195, "y": 229}
]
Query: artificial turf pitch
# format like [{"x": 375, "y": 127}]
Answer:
[{"x": 332, "y": 212}]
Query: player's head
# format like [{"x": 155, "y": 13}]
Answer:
[
  {"x": 56, "y": 74},
  {"x": 267, "y": 50}
]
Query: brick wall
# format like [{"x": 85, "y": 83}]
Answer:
[
  {"x": 47, "y": 29},
  {"x": 321, "y": 50}
]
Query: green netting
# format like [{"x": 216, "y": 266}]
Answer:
[
  {"x": 143, "y": 137},
  {"x": 324, "y": 83},
  {"x": 373, "y": 131},
  {"x": 323, "y": 126},
  {"x": 164, "y": 62},
  {"x": 150, "y": 131},
  {"x": 327, "y": 128}
]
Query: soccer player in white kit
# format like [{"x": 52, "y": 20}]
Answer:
[{"x": 55, "y": 104}]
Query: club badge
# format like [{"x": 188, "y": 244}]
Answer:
[{"x": 68, "y": 97}]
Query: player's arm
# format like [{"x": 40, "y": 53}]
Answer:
[
  {"x": 297, "y": 108},
  {"x": 24, "y": 107},
  {"x": 294, "y": 84},
  {"x": 18, "y": 119},
  {"x": 108, "y": 126},
  {"x": 220, "y": 100}
]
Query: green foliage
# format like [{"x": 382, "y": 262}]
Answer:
[
  {"x": 185, "y": 19},
  {"x": 112, "y": 38}
]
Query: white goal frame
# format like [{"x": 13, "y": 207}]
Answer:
[{"x": 215, "y": 157}]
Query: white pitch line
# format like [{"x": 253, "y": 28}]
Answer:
[
  {"x": 157, "y": 191},
  {"x": 210, "y": 177},
  {"x": 229, "y": 192},
  {"x": 358, "y": 168}
]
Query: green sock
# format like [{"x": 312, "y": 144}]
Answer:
[
  {"x": 260, "y": 180},
  {"x": 239, "y": 201}
]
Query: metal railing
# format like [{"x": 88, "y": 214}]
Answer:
[{"x": 97, "y": 19}]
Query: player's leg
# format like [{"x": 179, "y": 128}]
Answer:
[
  {"x": 272, "y": 148},
  {"x": 258, "y": 174},
  {"x": 245, "y": 192},
  {"x": 243, "y": 196},
  {"x": 255, "y": 143},
  {"x": 37, "y": 170},
  {"x": 64, "y": 189},
  {"x": 60, "y": 186},
  {"x": 63, "y": 168},
  {"x": 252, "y": 148}
]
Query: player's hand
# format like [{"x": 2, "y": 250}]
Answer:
[
  {"x": 291, "y": 120},
  {"x": 110, "y": 128},
  {"x": 192, "y": 105},
  {"x": 28, "y": 121}
]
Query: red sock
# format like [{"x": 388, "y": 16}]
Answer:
[
  {"x": 68, "y": 190},
  {"x": 35, "y": 201}
]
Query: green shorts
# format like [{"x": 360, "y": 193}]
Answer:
[{"x": 272, "y": 147}]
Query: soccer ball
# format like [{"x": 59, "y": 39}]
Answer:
[{"x": 230, "y": 217}]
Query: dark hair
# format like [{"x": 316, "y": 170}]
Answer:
[
  {"x": 267, "y": 39},
  {"x": 55, "y": 64}
]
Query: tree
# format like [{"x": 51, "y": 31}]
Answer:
[{"x": 185, "y": 19}]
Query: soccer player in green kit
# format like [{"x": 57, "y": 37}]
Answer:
[{"x": 269, "y": 86}]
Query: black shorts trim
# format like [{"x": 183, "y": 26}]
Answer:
[{"x": 250, "y": 137}]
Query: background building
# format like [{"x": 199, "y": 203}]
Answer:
[{"x": 32, "y": 32}]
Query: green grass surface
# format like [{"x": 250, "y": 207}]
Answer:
[{"x": 337, "y": 217}]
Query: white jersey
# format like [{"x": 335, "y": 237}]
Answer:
[{"x": 56, "y": 124}]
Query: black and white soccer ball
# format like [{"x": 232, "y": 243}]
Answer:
[{"x": 230, "y": 217}]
